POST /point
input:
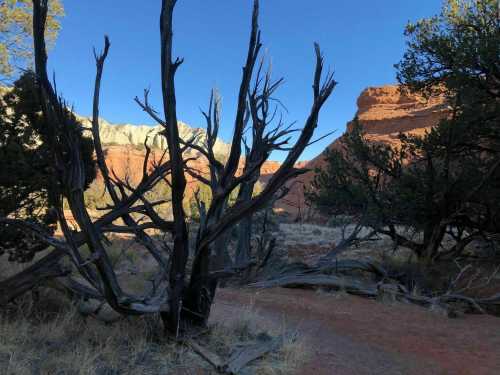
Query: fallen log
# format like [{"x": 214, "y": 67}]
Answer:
[
  {"x": 212, "y": 358},
  {"x": 333, "y": 275},
  {"x": 350, "y": 285},
  {"x": 490, "y": 304},
  {"x": 243, "y": 356},
  {"x": 331, "y": 266},
  {"x": 37, "y": 274},
  {"x": 240, "y": 357},
  {"x": 349, "y": 265}
]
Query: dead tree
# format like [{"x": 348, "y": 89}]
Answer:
[
  {"x": 97, "y": 270},
  {"x": 262, "y": 115},
  {"x": 182, "y": 297},
  {"x": 219, "y": 217}
]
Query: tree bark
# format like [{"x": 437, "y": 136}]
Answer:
[
  {"x": 432, "y": 241},
  {"x": 181, "y": 239},
  {"x": 244, "y": 248},
  {"x": 201, "y": 291},
  {"x": 42, "y": 271}
]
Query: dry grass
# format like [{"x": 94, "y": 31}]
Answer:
[
  {"x": 308, "y": 242},
  {"x": 311, "y": 234},
  {"x": 248, "y": 327},
  {"x": 49, "y": 337}
]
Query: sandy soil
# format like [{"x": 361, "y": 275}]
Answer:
[{"x": 351, "y": 335}]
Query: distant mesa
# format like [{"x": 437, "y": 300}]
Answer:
[
  {"x": 136, "y": 135},
  {"x": 124, "y": 149}
]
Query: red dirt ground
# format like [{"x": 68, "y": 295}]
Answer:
[{"x": 351, "y": 335}]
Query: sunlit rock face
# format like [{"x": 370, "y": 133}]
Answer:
[
  {"x": 136, "y": 135},
  {"x": 124, "y": 150},
  {"x": 383, "y": 112}
]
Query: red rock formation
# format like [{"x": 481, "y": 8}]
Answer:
[
  {"x": 384, "y": 113},
  {"x": 127, "y": 161}
]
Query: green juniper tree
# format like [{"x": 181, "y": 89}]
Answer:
[
  {"x": 16, "y": 34},
  {"x": 26, "y": 173},
  {"x": 447, "y": 181}
]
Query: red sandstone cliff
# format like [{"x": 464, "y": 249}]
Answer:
[{"x": 383, "y": 112}]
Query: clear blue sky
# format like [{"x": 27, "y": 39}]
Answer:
[{"x": 361, "y": 39}]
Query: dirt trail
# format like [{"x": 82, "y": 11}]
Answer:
[{"x": 351, "y": 335}]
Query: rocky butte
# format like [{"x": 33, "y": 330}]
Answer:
[{"x": 383, "y": 112}]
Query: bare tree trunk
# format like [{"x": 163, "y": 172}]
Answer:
[
  {"x": 201, "y": 292},
  {"x": 178, "y": 302},
  {"x": 181, "y": 239},
  {"x": 432, "y": 243},
  {"x": 244, "y": 246},
  {"x": 202, "y": 287},
  {"x": 222, "y": 257}
]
